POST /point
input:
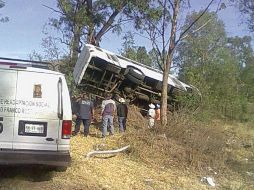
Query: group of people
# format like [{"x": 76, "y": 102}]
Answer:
[
  {"x": 153, "y": 114},
  {"x": 109, "y": 107},
  {"x": 83, "y": 109}
]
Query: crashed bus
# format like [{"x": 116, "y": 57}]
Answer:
[{"x": 98, "y": 71}]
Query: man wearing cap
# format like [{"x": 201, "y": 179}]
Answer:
[
  {"x": 151, "y": 115},
  {"x": 108, "y": 109},
  {"x": 122, "y": 112}
]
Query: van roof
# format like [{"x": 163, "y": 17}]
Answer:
[{"x": 31, "y": 66}]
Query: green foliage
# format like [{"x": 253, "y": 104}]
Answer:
[
  {"x": 156, "y": 62},
  {"x": 66, "y": 68},
  {"x": 153, "y": 19},
  {"x": 215, "y": 67},
  {"x": 136, "y": 53},
  {"x": 241, "y": 48},
  {"x": 247, "y": 8},
  {"x": 247, "y": 78}
]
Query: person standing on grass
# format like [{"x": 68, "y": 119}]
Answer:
[
  {"x": 122, "y": 112},
  {"x": 158, "y": 112},
  {"x": 75, "y": 112},
  {"x": 86, "y": 114},
  {"x": 108, "y": 109},
  {"x": 151, "y": 115}
]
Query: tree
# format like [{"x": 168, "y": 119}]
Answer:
[
  {"x": 159, "y": 21},
  {"x": 136, "y": 53},
  {"x": 83, "y": 21},
  {"x": 53, "y": 54},
  {"x": 241, "y": 48},
  {"x": 247, "y": 8},
  {"x": 208, "y": 59},
  {"x": 142, "y": 56},
  {"x": 3, "y": 19},
  {"x": 86, "y": 21},
  {"x": 128, "y": 46}
]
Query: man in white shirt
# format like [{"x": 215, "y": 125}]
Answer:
[{"x": 107, "y": 112}]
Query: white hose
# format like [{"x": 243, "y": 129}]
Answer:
[{"x": 106, "y": 151}]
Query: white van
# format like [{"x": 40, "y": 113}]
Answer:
[{"x": 35, "y": 116}]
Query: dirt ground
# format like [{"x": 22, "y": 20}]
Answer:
[
  {"x": 105, "y": 172},
  {"x": 127, "y": 171},
  {"x": 101, "y": 172}
]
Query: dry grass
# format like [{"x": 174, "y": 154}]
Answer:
[
  {"x": 183, "y": 143},
  {"x": 201, "y": 149}
]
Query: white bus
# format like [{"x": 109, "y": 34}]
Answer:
[{"x": 98, "y": 71}]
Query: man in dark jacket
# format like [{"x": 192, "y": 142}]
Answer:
[
  {"x": 75, "y": 112},
  {"x": 122, "y": 112},
  {"x": 86, "y": 113}
]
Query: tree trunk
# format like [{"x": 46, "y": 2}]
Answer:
[
  {"x": 164, "y": 100},
  {"x": 167, "y": 65},
  {"x": 75, "y": 46}
]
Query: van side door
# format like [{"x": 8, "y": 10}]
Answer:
[
  {"x": 37, "y": 125},
  {"x": 8, "y": 79}
]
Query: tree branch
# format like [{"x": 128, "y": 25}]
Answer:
[
  {"x": 54, "y": 10},
  {"x": 188, "y": 28},
  {"x": 172, "y": 5},
  {"x": 202, "y": 26},
  {"x": 107, "y": 24}
]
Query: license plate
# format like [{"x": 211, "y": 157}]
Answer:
[{"x": 34, "y": 128}]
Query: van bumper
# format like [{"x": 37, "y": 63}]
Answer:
[{"x": 25, "y": 157}]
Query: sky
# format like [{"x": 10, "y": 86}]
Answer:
[{"x": 23, "y": 33}]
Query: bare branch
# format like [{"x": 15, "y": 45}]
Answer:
[
  {"x": 188, "y": 28},
  {"x": 201, "y": 26},
  {"x": 121, "y": 22},
  {"x": 54, "y": 10},
  {"x": 218, "y": 7},
  {"x": 172, "y": 5},
  {"x": 63, "y": 42}
]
